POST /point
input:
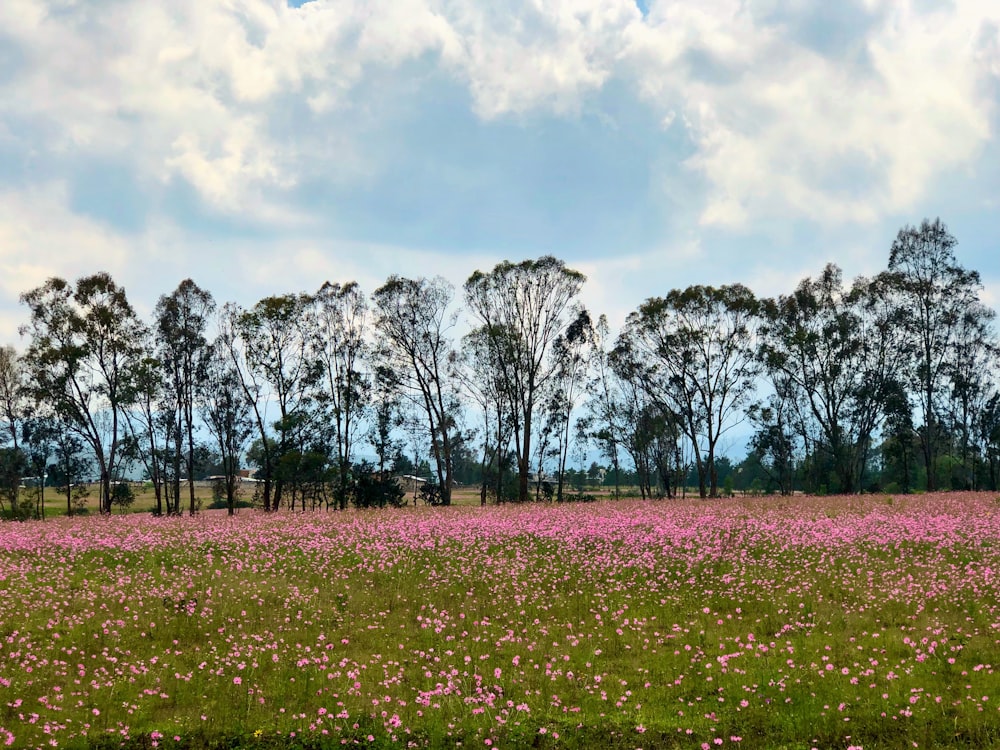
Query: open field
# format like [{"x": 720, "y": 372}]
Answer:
[
  {"x": 145, "y": 500},
  {"x": 768, "y": 623}
]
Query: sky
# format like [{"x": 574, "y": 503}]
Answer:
[{"x": 263, "y": 147}]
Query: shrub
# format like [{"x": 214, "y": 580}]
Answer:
[{"x": 122, "y": 496}]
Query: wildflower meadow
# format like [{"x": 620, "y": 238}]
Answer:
[{"x": 849, "y": 622}]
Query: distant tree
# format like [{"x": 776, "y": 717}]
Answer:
[
  {"x": 989, "y": 435},
  {"x": 700, "y": 347},
  {"x": 181, "y": 322},
  {"x": 340, "y": 346},
  {"x": 900, "y": 444},
  {"x": 934, "y": 294},
  {"x": 152, "y": 424},
  {"x": 13, "y": 467},
  {"x": 70, "y": 465},
  {"x": 414, "y": 319},
  {"x": 571, "y": 352},
  {"x": 971, "y": 372},
  {"x": 386, "y": 418},
  {"x": 14, "y": 409},
  {"x": 85, "y": 342},
  {"x": 479, "y": 375},
  {"x": 523, "y": 308},
  {"x": 279, "y": 370},
  {"x": 376, "y": 490},
  {"x": 834, "y": 347},
  {"x": 13, "y": 392},
  {"x": 38, "y": 434},
  {"x": 604, "y": 405},
  {"x": 226, "y": 414},
  {"x": 263, "y": 452},
  {"x": 774, "y": 442}
]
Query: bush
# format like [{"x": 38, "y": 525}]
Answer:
[
  {"x": 374, "y": 490},
  {"x": 122, "y": 496},
  {"x": 431, "y": 493},
  {"x": 220, "y": 503}
]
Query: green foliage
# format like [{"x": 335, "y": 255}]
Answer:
[
  {"x": 372, "y": 489},
  {"x": 430, "y": 493},
  {"x": 122, "y": 496},
  {"x": 13, "y": 466}
]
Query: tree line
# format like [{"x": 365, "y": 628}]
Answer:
[{"x": 847, "y": 386}]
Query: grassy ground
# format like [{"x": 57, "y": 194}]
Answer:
[
  {"x": 829, "y": 623},
  {"x": 145, "y": 500}
]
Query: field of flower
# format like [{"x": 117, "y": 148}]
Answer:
[{"x": 803, "y": 623}]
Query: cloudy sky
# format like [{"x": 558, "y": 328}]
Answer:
[{"x": 262, "y": 147}]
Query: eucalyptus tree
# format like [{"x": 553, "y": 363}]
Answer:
[
  {"x": 230, "y": 347},
  {"x": 340, "y": 347},
  {"x": 386, "y": 418},
  {"x": 833, "y": 346},
  {"x": 478, "y": 374},
  {"x": 698, "y": 346},
  {"x": 85, "y": 342},
  {"x": 152, "y": 424},
  {"x": 971, "y": 383},
  {"x": 270, "y": 345},
  {"x": 989, "y": 436},
  {"x": 226, "y": 413},
  {"x": 934, "y": 295},
  {"x": 182, "y": 319},
  {"x": 775, "y": 440},
  {"x": 13, "y": 412},
  {"x": 13, "y": 400},
  {"x": 523, "y": 308},
  {"x": 571, "y": 352},
  {"x": 604, "y": 407},
  {"x": 414, "y": 318},
  {"x": 646, "y": 426},
  {"x": 38, "y": 433}
]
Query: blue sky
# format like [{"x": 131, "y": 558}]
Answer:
[{"x": 262, "y": 148}]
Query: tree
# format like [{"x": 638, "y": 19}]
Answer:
[
  {"x": 523, "y": 308},
  {"x": 699, "y": 348},
  {"x": 85, "y": 342},
  {"x": 386, "y": 418},
  {"x": 899, "y": 438},
  {"x": 604, "y": 405},
  {"x": 832, "y": 346},
  {"x": 181, "y": 322},
  {"x": 934, "y": 294},
  {"x": 571, "y": 352},
  {"x": 37, "y": 436},
  {"x": 339, "y": 345},
  {"x": 13, "y": 467},
  {"x": 478, "y": 373},
  {"x": 277, "y": 369},
  {"x": 971, "y": 383},
  {"x": 226, "y": 413},
  {"x": 152, "y": 424},
  {"x": 13, "y": 401},
  {"x": 13, "y": 411},
  {"x": 414, "y": 319},
  {"x": 774, "y": 442}
]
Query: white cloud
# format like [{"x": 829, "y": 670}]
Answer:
[
  {"x": 245, "y": 99},
  {"x": 547, "y": 54},
  {"x": 781, "y": 130},
  {"x": 41, "y": 237}
]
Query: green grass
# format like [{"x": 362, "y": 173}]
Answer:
[{"x": 629, "y": 625}]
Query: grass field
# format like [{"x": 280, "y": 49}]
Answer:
[{"x": 760, "y": 623}]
